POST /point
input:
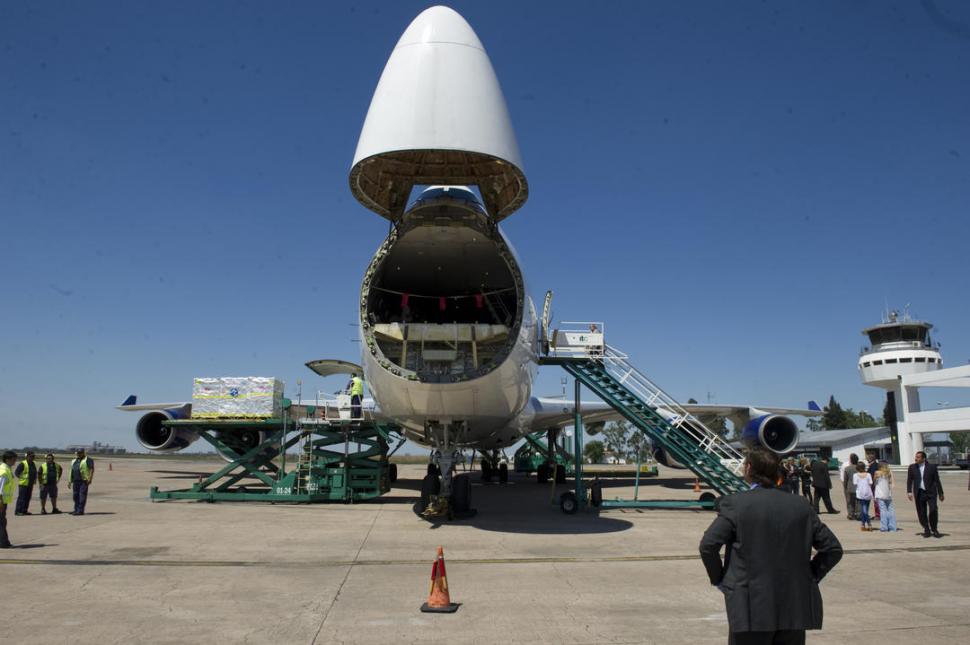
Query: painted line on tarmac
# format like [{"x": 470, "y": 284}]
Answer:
[{"x": 372, "y": 563}]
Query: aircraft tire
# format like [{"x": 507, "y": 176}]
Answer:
[
  {"x": 596, "y": 494},
  {"x": 568, "y": 503},
  {"x": 560, "y": 474},
  {"x": 430, "y": 485},
  {"x": 461, "y": 495},
  {"x": 486, "y": 470},
  {"x": 433, "y": 470},
  {"x": 392, "y": 473},
  {"x": 503, "y": 473},
  {"x": 542, "y": 474}
]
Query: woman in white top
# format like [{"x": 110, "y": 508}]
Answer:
[
  {"x": 863, "y": 492},
  {"x": 884, "y": 498}
]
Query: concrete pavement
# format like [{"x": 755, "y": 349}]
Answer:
[{"x": 524, "y": 572}]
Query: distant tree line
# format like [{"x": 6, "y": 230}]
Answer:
[
  {"x": 960, "y": 441},
  {"x": 620, "y": 439},
  {"x": 836, "y": 417}
]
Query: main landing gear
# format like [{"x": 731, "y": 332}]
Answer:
[
  {"x": 494, "y": 466},
  {"x": 552, "y": 466}
]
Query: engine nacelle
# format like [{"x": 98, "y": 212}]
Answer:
[
  {"x": 594, "y": 428},
  {"x": 664, "y": 458},
  {"x": 153, "y": 435},
  {"x": 241, "y": 441},
  {"x": 772, "y": 431}
]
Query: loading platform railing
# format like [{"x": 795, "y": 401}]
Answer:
[{"x": 607, "y": 372}]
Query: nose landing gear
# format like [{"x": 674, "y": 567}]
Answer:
[{"x": 445, "y": 494}]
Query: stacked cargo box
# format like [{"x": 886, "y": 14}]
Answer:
[{"x": 236, "y": 397}]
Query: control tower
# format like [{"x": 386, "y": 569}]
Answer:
[{"x": 899, "y": 347}]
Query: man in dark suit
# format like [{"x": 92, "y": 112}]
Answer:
[
  {"x": 769, "y": 577},
  {"x": 822, "y": 484},
  {"x": 923, "y": 482}
]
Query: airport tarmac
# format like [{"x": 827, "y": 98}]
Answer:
[{"x": 177, "y": 572}]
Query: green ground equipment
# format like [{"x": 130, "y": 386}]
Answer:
[
  {"x": 339, "y": 460},
  {"x": 607, "y": 373}
]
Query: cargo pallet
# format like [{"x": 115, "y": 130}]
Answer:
[{"x": 340, "y": 460}]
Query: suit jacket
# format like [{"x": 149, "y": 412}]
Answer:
[
  {"x": 820, "y": 474},
  {"x": 931, "y": 479},
  {"x": 769, "y": 577}
]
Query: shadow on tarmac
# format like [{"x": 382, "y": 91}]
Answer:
[
  {"x": 180, "y": 474},
  {"x": 550, "y": 521},
  {"x": 521, "y": 506},
  {"x": 628, "y": 482}
]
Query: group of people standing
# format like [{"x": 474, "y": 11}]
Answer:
[
  {"x": 868, "y": 489},
  {"x": 812, "y": 477},
  {"x": 28, "y": 473},
  {"x": 869, "y": 485},
  {"x": 872, "y": 481}
]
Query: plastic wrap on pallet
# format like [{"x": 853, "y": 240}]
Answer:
[{"x": 236, "y": 397}]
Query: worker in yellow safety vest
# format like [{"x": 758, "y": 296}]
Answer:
[
  {"x": 26, "y": 473},
  {"x": 7, "y": 486},
  {"x": 48, "y": 475},
  {"x": 82, "y": 474},
  {"x": 356, "y": 387}
]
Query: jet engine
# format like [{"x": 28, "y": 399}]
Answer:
[
  {"x": 772, "y": 431},
  {"x": 153, "y": 435},
  {"x": 241, "y": 441},
  {"x": 594, "y": 428},
  {"x": 664, "y": 458}
]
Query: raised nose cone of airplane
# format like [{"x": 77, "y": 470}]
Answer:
[{"x": 438, "y": 116}]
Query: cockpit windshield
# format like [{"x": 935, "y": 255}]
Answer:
[{"x": 463, "y": 194}]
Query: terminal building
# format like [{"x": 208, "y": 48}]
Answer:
[
  {"x": 861, "y": 441},
  {"x": 97, "y": 448}
]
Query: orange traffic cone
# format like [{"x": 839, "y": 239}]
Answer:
[
  {"x": 439, "y": 600},
  {"x": 109, "y": 465},
  {"x": 697, "y": 485}
]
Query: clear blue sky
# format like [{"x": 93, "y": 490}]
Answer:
[{"x": 736, "y": 188}]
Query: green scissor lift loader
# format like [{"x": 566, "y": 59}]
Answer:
[
  {"x": 339, "y": 460},
  {"x": 533, "y": 455}
]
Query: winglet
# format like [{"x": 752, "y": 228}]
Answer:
[
  {"x": 812, "y": 405},
  {"x": 131, "y": 400}
]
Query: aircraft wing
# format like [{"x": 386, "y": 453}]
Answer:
[
  {"x": 131, "y": 405},
  {"x": 719, "y": 410},
  {"x": 558, "y": 413},
  {"x": 740, "y": 415}
]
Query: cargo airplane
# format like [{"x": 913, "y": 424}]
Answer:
[{"x": 450, "y": 338}]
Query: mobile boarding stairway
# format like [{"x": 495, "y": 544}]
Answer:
[{"x": 579, "y": 348}]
